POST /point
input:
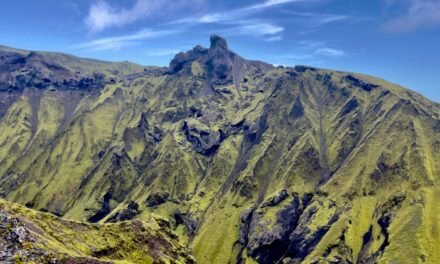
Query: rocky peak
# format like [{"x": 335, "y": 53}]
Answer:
[
  {"x": 218, "y": 53},
  {"x": 219, "y": 46},
  {"x": 183, "y": 58},
  {"x": 221, "y": 65},
  {"x": 219, "y": 62}
]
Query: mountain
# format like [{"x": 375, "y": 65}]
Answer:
[{"x": 249, "y": 163}]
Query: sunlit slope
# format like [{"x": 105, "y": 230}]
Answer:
[{"x": 249, "y": 162}]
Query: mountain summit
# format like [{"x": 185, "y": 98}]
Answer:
[
  {"x": 244, "y": 161},
  {"x": 218, "y": 43}
]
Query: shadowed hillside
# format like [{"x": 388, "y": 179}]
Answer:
[{"x": 247, "y": 161}]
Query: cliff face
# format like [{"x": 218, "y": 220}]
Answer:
[{"x": 249, "y": 162}]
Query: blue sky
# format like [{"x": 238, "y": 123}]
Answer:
[{"x": 397, "y": 40}]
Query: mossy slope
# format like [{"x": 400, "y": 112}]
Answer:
[{"x": 28, "y": 236}]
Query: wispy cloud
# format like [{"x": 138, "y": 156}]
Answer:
[
  {"x": 102, "y": 15},
  {"x": 329, "y": 52},
  {"x": 270, "y": 3},
  {"x": 235, "y": 14},
  {"x": 256, "y": 29},
  {"x": 311, "y": 44},
  {"x": 295, "y": 59},
  {"x": 318, "y": 19},
  {"x": 310, "y": 52},
  {"x": 274, "y": 39},
  {"x": 238, "y": 22},
  {"x": 326, "y": 19},
  {"x": 118, "y": 42},
  {"x": 418, "y": 14},
  {"x": 320, "y": 48},
  {"x": 162, "y": 52}
]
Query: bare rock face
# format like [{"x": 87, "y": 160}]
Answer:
[
  {"x": 219, "y": 46},
  {"x": 267, "y": 243},
  {"x": 126, "y": 214},
  {"x": 216, "y": 59},
  {"x": 183, "y": 58},
  {"x": 15, "y": 241},
  {"x": 156, "y": 199},
  {"x": 356, "y": 82},
  {"x": 204, "y": 141},
  {"x": 219, "y": 61}
]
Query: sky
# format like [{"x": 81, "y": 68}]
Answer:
[{"x": 397, "y": 40}]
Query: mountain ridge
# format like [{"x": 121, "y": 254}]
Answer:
[
  {"x": 296, "y": 164},
  {"x": 139, "y": 66}
]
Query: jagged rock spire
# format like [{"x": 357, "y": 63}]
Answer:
[{"x": 218, "y": 43}]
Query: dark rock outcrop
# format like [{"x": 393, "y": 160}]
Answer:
[
  {"x": 156, "y": 199},
  {"x": 34, "y": 70},
  {"x": 203, "y": 141},
  {"x": 15, "y": 242},
  {"x": 104, "y": 209},
  {"x": 268, "y": 245},
  {"x": 185, "y": 219},
  {"x": 126, "y": 214},
  {"x": 276, "y": 199},
  {"x": 302, "y": 241},
  {"x": 221, "y": 66},
  {"x": 349, "y": 107},
  {"x": 356, "y": 82},
  {"x": 184, "y": 58},
  {"x": 297, "y": 109},
  {"x": 219, "y": 61}
]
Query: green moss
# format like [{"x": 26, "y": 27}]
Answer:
[{"x": 216, "y": 237}]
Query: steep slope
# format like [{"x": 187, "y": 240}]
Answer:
[
  {"x": 249, "y": 162},
  {"x": 27, "y": 236}
]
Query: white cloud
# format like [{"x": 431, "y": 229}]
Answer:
[
  {"x": 296, "y": 59},
  {"x": 326, "y": 19},
  {"x": 329, "y": 52},
  {"x": 311, "y": 44},
  {"x": 257, "y": 29},
  {"x": 418, "y": 14},
  {"x": 236, "y": 14},
  {"x": 118, "y": 42},
  {"x": 274, "y": 39},
  {"x": 102, "y": 15},
  {"x": 318, "y": 19},
  {"x": 211, "y": 18},
  {"x": 310, "y": 52},
  {"x": 163, "y": 52},
  {"x": 270, "y": 3},
  {"x": 240, "y": 25}
]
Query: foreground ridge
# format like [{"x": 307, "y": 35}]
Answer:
[{"x": 27, "y": 236}]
